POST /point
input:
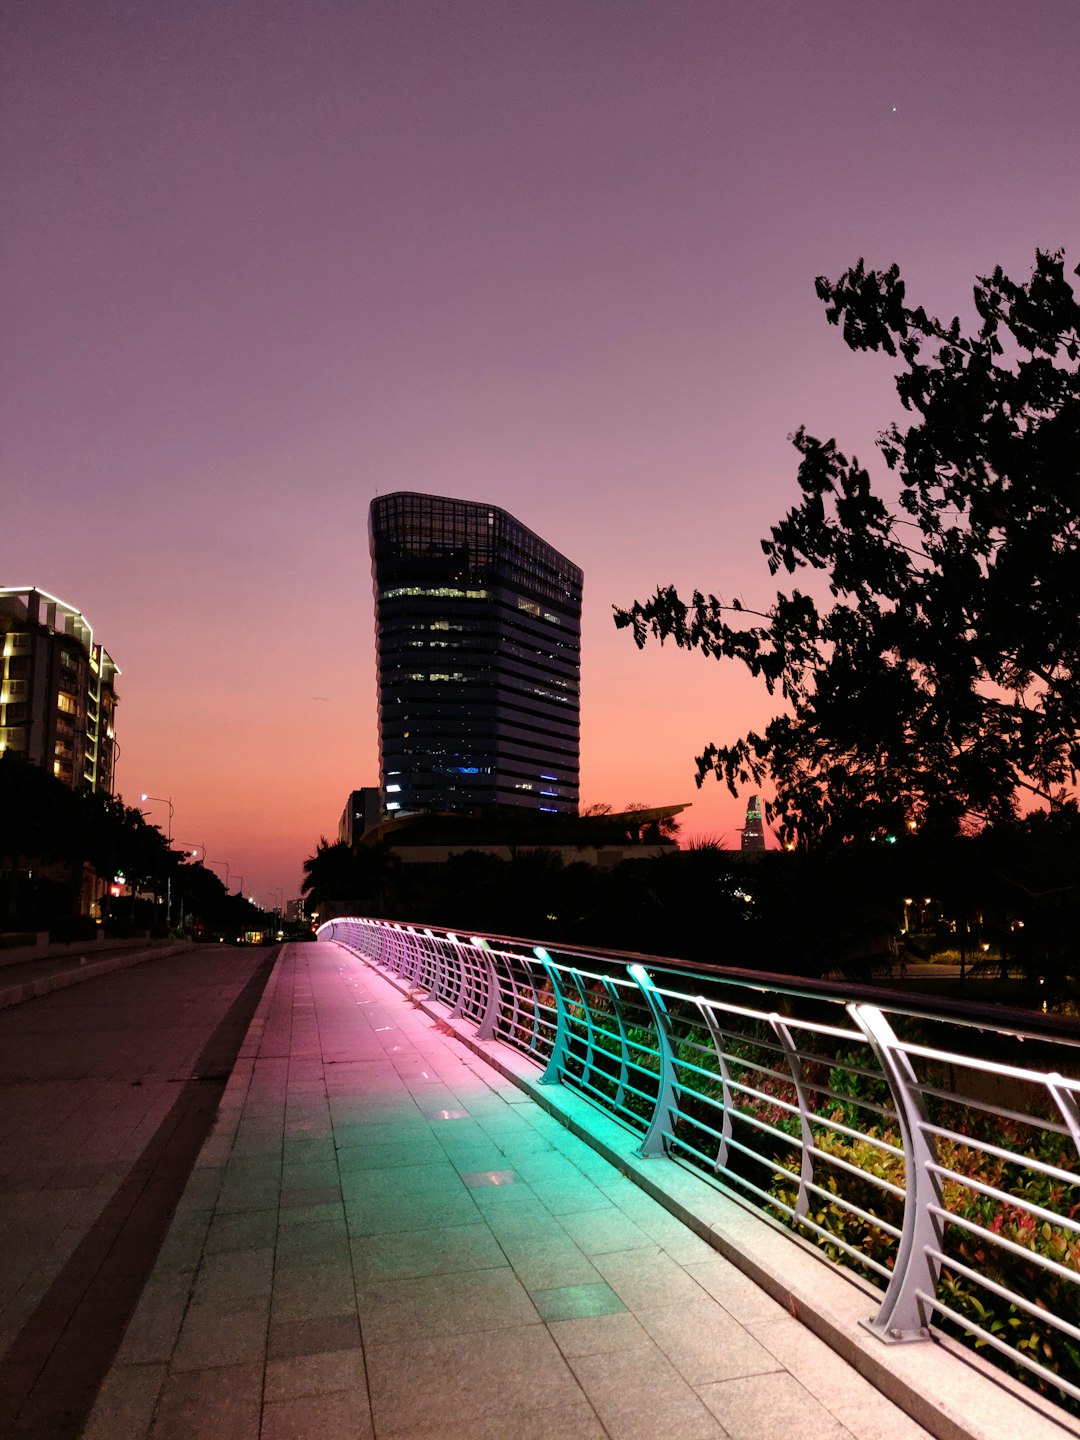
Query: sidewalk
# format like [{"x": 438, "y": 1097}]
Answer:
[
  {"x": 26, "y": 979},
  {"x": 384, "y": 1237}
]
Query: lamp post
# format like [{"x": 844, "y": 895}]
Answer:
[
  {"x": 219, "y": 862},
  {"x": 191, "y": 856},
  {"x": 162, "y": 800}
]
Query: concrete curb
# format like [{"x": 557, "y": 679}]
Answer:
[
  {"x": 85, "y": 970},
  {"x": 946, "y": 1388}
]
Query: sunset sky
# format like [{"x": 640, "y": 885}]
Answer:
[{"x": 260, "y": 259}]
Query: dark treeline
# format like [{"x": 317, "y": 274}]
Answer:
[
  {"x": 1007, "y": 897},
  {"x": 61, "y": 848}
]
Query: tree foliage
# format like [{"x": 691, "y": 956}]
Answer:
[{"x": 939, "y": 684}]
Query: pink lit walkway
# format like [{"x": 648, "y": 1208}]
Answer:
[{"x": 384, "y": 1237}]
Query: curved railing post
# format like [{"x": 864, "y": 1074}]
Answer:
[
  {"x": 557, "y": 1059},
  {"x": 727, "y": 1093},
  {"x": 667, "y": 1106},
  {"x": 806, "y": 1169},
  {"x": 624, "y": 1043},
  {"x": 490, "y": 1017},
  {"x": 903, "y": 1313}
]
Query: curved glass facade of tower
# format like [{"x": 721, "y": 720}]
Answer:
[{"x": 478, "y": 628}]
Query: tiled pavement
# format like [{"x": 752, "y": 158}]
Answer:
[{"x": 384, "y": 1237}]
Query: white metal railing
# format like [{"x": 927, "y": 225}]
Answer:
[{"x": 916, "y": 1146}]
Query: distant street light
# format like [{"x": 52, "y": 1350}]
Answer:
[
  {"x": 197, "y": 846},
  {"x": 218, "y": 862},
  {"x": 162, "y": 800}
]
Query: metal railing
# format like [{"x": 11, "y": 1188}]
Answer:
[{"x": 886, "y": 1134}]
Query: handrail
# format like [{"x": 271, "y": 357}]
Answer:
[{"x": 886, "y": 1133}]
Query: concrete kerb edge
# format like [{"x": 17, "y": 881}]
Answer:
[
  {"x": 944, "y": 1387},
  {"x": 63, "y": 979},
  {"x": 128, "y": 1395}
]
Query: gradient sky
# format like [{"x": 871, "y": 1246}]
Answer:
[{"x": 261, "y": 258}]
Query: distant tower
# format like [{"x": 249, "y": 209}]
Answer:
[{"x": 753, "y": 837}]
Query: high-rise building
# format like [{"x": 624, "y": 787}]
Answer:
[
  {"x": 363, "y": 811},
  {"x": 478, "y": 625},
  {"x": 57, "y": 689},
  {"x": 753, "y": 836}
]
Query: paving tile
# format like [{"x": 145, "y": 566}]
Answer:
[
  {"x": 152, "y": 1332},
  {"x": 840, "y": 1388},
  {"x": 457, "y": 1304},
  {"x": 567, "y": 1302},
  {"x": 425, "y": 1252},
  {"x": 310, "y": 1195},
  {"x": 289, "y": 1338},
  {"x": 638, "y": 1395},
  {"x": 431, "y": 1177},
  {"x": 875, "y": 1417},
  {"x": 378, "y": 1215},
  {"x": 387, "y": 1156},
  {"x": 228, "y": 1398},
  {"x": 547, "y": 1267},
  {"x": 320, "y": 1242},
  {"x": 242, "y": 1230},
  {"x": 318, "y": 1374},
  {"x": 209, "y": 1338},
  {"x": 571, "y": 1196},
  {"x": 125, "y": 1403},
  {"x": 490, "y": 1375},
  {"x": 741, "y": 1298},
  {"x": 575, "y": 1421},
  {"x": 598, "y": 1232},
  {"x": 704, "y": 1343},
  {"x": 329, "y": 1212},
  {"x": 314, "y": 1417},
  {"x": 232, "y": 1279},
  {"x": 599, "y": 1334},
  {"x": 479, "y": 1179},
  {"x": 770, "y": 1407},
  {"x": 647, "y": 1277}
]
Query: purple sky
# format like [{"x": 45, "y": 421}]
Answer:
[{"x": 261, "y": 259}]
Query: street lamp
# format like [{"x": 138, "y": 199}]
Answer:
[
  {"x": 197, "y": 846},
  {"x": 162, "y": 800},
  {"x": 218, "y": 862}
]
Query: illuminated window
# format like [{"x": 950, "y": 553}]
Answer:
[{"x": 66, "y": 704}]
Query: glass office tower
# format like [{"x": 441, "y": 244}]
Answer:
[{"x": 478, "y": 626}]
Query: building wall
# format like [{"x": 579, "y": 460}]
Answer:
[
  {"x": 478, "y": 627},
  {"x": 57, "y": 690},
  {"x": 363, "y": 811}
]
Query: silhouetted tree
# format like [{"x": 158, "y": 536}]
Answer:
[{"x": 942, "y": 682}]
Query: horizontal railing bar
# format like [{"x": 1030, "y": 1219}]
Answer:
[
  {"x": 966, "y": 1323},
  {"x": 1016, "y": 1202},
  {"x": 1031, "y": 1257},
  {"x": 985, "y": 1283},
  {"x": 1067, "y": 1177}
]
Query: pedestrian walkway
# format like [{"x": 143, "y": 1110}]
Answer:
[{"x": 385, "y": 1237}]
